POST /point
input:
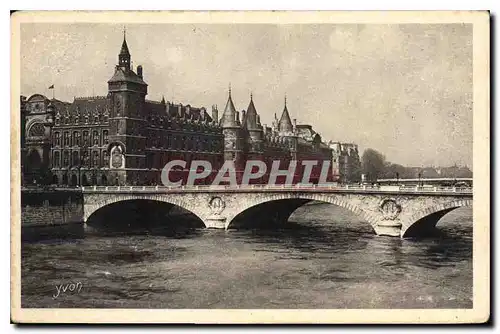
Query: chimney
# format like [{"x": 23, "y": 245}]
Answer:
[
  {"x": 237, "y": 115},
  {"x": 179, "y": 110},
  {"x": 139, "y": 71},
  {"x": 215, "y": 113},
  {"x": 243, "y": 115},
  {"x": 258, "y": 119},
  {"x": 294, "y": 123}
]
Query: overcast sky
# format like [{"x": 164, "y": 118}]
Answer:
[{"x": 405, "y": 90}]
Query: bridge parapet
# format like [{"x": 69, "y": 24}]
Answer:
[{"x": 297, "y": 187}]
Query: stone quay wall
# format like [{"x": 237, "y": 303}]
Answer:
[{"x": 49, "y": 207}]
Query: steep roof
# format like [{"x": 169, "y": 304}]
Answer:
[
  {"x": 285, "y": 123},
  {"x": 122, "y": 74},
  {"x": 228, "y": 118},
  {"x": 160, "y": 108},
  {"x": 124, "y": 49},
  {"x": 89, "y": 105},
  {"x": 250, "y": 121}
]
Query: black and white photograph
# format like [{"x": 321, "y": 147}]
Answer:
[{"x": 251, "y": 161}]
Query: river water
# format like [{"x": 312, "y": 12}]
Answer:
[{"x": 325, "y": 258}]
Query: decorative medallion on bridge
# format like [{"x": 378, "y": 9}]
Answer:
[
  {"x": 217, "y": 205},
  {"x": 390, "y": 208}
]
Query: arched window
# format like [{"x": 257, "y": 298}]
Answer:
[
  {"x": 74, "y": 180},
  {"x": 57, "y": 159},
  {"x": 85, "y": 181},
  {"x": 36, "y": 130},
  {"x": 65, "y": 159},
  {"x": 55, "y": 179},
  {"x": 65, "y": 179},
  {"x": 57, "y": 138},
  {"x": 95, "y": 159},
  {"x": 105, "y": 158},
  {"x": 66, "y": 138},
  {"x": 104, "y": 180},
  {"x": 105, "y": 137},
  {"x": 76, "y": 158},
  {"x": 85, "y": 138},
  {"x": 95, "y": 138},
  {"x": 167, "y": 141},
  {"x": 76, "y": 138},
  {"x": 34, "y": 160}
]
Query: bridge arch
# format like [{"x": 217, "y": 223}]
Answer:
[
  {"x": 298, "y": 199},
  {"x": 105, "y": 201},
  {"x": 424, "y": 221}
]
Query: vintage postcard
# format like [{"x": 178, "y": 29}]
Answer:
[{"x": 250, "y": 167}]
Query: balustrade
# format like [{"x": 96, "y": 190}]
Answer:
[{"x": 263, "y": 187}]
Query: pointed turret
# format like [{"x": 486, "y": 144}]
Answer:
[
  {"x": 162, "y": 100},
  {"x": 123, "y": 72},
  {"x": 124, "y": 56},
  {"x": 251, "y": 116},
  {"x": 285, "y": 124},
  {"x": 228, "y": 118}
]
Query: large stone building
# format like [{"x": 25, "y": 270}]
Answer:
[
  {"x": 345, "y": 162},
  {"x": 124, "y": 139}
]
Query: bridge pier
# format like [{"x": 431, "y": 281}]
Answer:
[
  {"x": 215, "y": 221},
  {"x": 388, "y": 228}
]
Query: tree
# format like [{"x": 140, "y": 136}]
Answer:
[{"x": 373, "y": 164}]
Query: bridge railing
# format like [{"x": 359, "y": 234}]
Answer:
[{"x": 296, "y": 187}]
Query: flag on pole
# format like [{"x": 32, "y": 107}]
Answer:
[{"x": 51, "y": 87}]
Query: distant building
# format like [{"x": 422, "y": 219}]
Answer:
[
  {"x": 346, "y": 162},
  {"x": 124, "y": 139}
]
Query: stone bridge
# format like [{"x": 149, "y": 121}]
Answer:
[{"x": 401, "y": 211}]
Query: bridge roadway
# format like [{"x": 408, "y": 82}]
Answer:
[{"x": 404, "y": 211}]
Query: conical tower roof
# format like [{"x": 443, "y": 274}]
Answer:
[
  {"x": 124, "y": 50},
  {"x": 285, "y": 124},
  {"x": 251, "y": 115},
  {"x": 228, "y": 118}
]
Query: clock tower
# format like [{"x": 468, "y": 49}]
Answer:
[{"x": 127, "y": 92}]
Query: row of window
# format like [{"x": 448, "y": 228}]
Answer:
[
  {"x": 75, "y": 120},
  {"x": 86, "y": 180},
  {"x": 158, "y": 160},
  {"x": 94, "y": 138},
  {"x": 185, "y": 143},
  {"x": 93, "y": 158},
  {"x": 166, "y": 123}
]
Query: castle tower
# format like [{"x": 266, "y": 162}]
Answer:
[
  {"x": 233, "y": 143},
  {"x": 287, "y": 129},
  {"x": 127, "y": 92},
  {"x": 285, "y": 123},
  {"x": 254, "y": 131}
]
